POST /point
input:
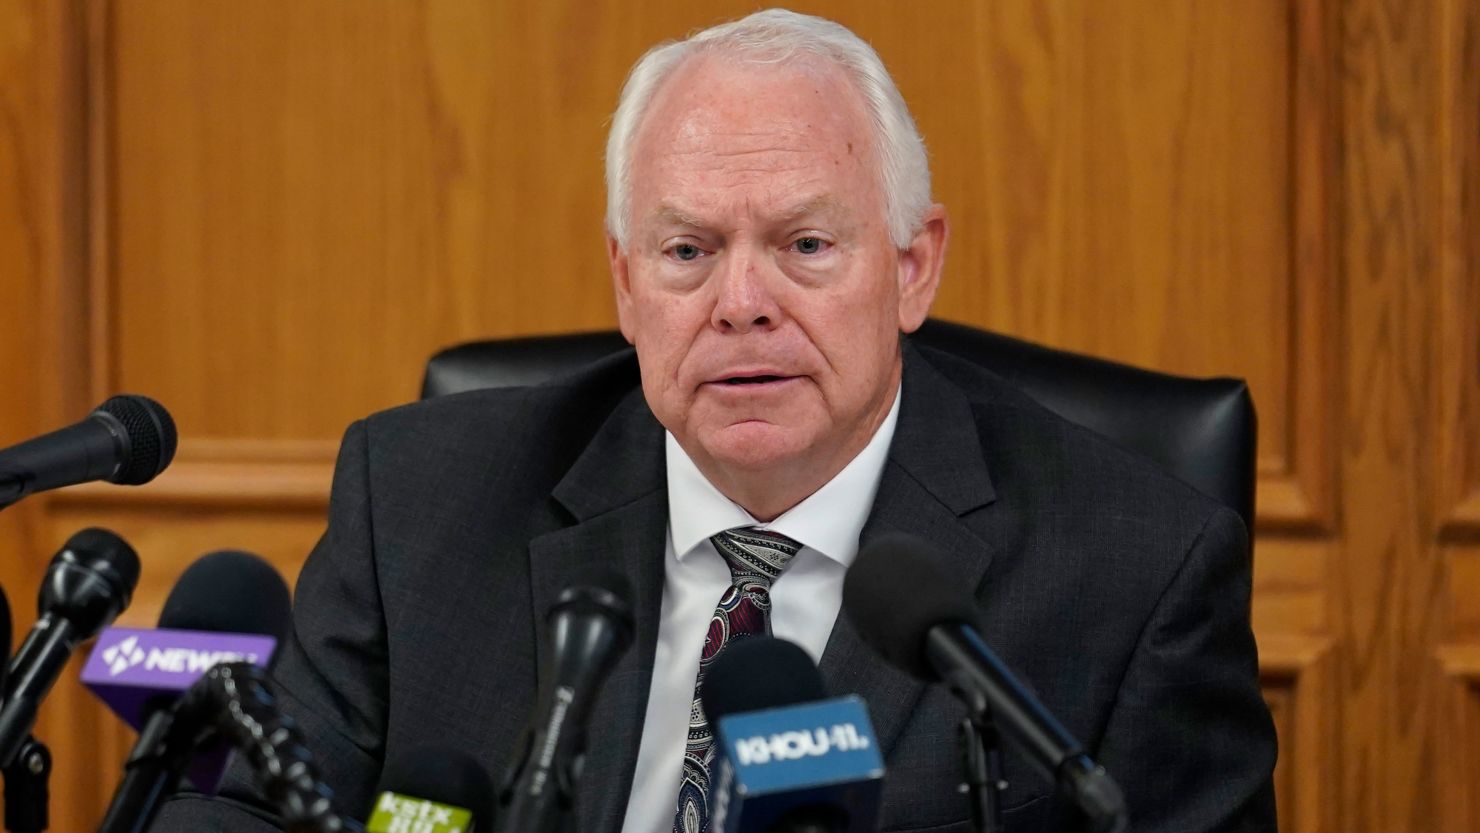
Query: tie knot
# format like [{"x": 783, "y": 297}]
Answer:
[{"x": 755, "y": 554}]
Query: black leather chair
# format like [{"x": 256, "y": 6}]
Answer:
[{"x": 1200, "y": 430}]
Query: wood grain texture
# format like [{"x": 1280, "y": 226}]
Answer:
[
  {"x": 1459, "y": 264},
  {"x": 1459, "y": 747},
  {"x": 25, "y": 253},
  {"x": 311, "y": 198},
  {"x": 1296, "y": 490},
  {"x": 1297, "y": 677},
  {"x": 1462, "y": 559},
  {"x": 1290, "y": 592},
  {"x": 1390, "y": 574}
]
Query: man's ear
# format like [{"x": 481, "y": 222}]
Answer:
[
  {"x": 616, "y": 257},
  {"x": 920, "y": 267}
]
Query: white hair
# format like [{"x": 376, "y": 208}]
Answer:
[{"x": 779, "y": 36}]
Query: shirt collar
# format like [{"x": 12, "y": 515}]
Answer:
[{"x": 828, "y": 521}]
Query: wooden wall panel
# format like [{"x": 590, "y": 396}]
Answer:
[
  {"x": 1458, "y": 397},
  {"x": 1296, "y": 674},
  {"x": 1459, "y": 221},
  {"x": 24, "y": 253},
  {"x": 293, "y": 177},
  {"x": 21, "y": 248},
  {"x": 1389, "y": 582},
  {"x": 1459, "y": 746}
]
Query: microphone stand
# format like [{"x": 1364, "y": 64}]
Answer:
[
  {"x": 981, "y": 757},
  {"x": 27, "y": 791}
]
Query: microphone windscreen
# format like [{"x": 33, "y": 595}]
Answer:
[
  {"x": 229, "y": 592},
  {"x": 102, "y": 552},
  {"x": 896, "y": 591},
  {"x": 151, "y": 437},
  {"x": 602, "y": 591},
  {"x": 445, "y": 775},
  {"x": 756, "y": 673}
]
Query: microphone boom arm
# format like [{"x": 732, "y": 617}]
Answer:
[
  {"x": 234, "y": 702},
  {"x": 993, "y": 695}
]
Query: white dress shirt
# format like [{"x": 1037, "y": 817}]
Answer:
[{"x": 804, "y": 601}]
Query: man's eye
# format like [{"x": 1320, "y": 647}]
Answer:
[
  {"x": 685, "y": 251},
  {"x": 810, "y": 245}
]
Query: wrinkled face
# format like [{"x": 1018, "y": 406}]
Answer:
[{"x": 759, "y": 283}]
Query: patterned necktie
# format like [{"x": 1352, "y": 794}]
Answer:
[{"x": 756, "y": 558}]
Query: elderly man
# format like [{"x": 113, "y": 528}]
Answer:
[{"x": 771, "y": 236}]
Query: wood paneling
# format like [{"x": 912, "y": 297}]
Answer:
[
  {"x": 1290, "y": 594},
  {"x": 1390, "y": 571},
  {"x": 1459, "y": 746},
  {"x": 1459, "y": 265},
  {"x": 311, "y": 198},
  {"x": 269, "y": 214},
  {"x": 1296, "y": 673},
  {"x": 23, "y": 252}
]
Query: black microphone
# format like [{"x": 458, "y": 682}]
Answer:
[
  {"x": 226, "y": 592},
  {"x": 436, "y": 789},
  {"x": 86, "y": 586},
  {"x": 907, "y": 606},
  {"x": 128, "y": 440},
  {"x": 789, "y": 759},
  {"x": 590, "y": 627}
]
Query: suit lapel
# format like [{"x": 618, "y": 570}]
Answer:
[
  {"x": 935, "y": 478},
  {"x": 616, "y": 493}
]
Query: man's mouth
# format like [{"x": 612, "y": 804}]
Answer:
[{"x": 753, "y": 380}]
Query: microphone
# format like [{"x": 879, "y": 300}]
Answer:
[
  {"x": 789, "y": 759},
  {"x": 88, "y": 583},
  {"x": 433, "y": 789},
  {"x": 590, "y": 627},
  {"x": 228, "y": 606},
  {"x": 128, "y": 440},
  {"x": 906, "y": 605}
]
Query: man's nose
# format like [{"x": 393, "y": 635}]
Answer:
[{"x": 743, "y": 301}]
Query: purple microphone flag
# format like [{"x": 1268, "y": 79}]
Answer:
[{"x": 131, "y": 666}]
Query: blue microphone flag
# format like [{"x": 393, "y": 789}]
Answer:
[{"x": 777, "y": 761}]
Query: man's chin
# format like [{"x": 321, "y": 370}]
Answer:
[{"x": 754, "y": 445}]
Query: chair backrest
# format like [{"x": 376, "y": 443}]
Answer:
[{"x": 1202, "y": 431}]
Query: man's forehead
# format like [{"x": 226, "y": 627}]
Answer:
[
  {"x": 718, "y": 105},
  {"x": 673, "y": 212}
]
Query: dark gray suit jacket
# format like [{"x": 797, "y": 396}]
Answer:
[{"x": 1118, "y": 593}]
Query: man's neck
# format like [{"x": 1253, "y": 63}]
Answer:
[{"x": 767, "y": 494}]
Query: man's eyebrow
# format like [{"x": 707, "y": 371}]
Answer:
[
  {"x": 668, "y": 213},
  {"x": 671, "y": 214}
]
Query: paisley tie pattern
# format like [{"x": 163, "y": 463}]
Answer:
[{"x": 756, "y": 559}]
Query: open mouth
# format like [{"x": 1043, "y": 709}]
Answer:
[{"x": 753, "y": 380}]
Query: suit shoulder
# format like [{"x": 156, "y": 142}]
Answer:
[
  {"x": 1070, "y": 467},
  {"x": 540, "y": 428},
  {"x": 563, "y": 405}
]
